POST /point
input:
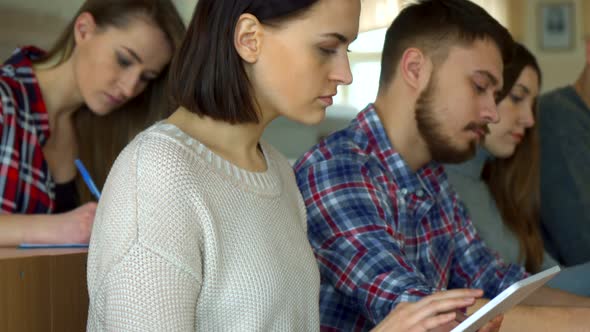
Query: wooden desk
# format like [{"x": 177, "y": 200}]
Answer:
[{"x": 43, "y": 290}]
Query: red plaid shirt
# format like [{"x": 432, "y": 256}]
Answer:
[{"x": 25, "y": 183}]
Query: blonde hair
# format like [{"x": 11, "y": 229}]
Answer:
[{"x": 101, "y": 138}]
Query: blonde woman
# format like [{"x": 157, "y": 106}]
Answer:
[{"x": 58, "y": 106}]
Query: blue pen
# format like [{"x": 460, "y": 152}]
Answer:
[
  {"x": 87, "y": 178},
  {"x": 57, "y": 245}
]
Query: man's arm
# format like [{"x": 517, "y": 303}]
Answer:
[
  {"x": 546, "y": 296},
  {"x": 549, "y": 319},
  {"x": 438, "y": 312},
  {"x": 354, "y": 236},
  {"x": 545, "y": 310},
  {"x": 557, "y": 314},
  {"x": 475, "y": 265}
]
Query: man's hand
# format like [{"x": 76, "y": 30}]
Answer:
[{"x": 437, "y": 311}]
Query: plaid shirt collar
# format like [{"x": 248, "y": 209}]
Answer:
[
  {"x": 19, "y": 67},
  {"x": 430, "y": 177}
]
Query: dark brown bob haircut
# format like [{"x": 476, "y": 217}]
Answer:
[{"x": 207, "y": 75}]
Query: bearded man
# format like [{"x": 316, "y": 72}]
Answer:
[{"x": 384, "y": 223}]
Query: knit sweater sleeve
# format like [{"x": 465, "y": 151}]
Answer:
[{"x": 144, "y": 268}]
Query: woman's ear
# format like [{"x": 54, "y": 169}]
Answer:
[
  {"x": 415, "y": 68},
  {"x": 248, "y": 37},
  {"x": 84, "y": 27}
]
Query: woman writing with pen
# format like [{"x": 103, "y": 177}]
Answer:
[
  {"x": 87, "y": 179},
  {"x": 59, "y": 106}
]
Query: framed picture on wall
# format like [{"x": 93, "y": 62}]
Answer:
[{"x": 556, "y": 26}]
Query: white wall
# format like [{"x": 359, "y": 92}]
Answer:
[
  {"x": 67, "y": 8},
  {"x": 562, "y": 67},
  {"x": 20, "y": 27},
  {"x": 185, "y": 8},
  {"x": 39, "y": 22}
]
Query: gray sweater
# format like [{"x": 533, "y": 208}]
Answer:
[
  {"x": 466, "y": 180},
  {"x": 564, "y": 129}
]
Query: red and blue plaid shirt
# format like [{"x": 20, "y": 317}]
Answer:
[
  {"x": 382, "y": 233},
  {"x": 25, "y": 183}
]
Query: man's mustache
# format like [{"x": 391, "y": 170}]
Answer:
[{"x": 475, "y": 126}]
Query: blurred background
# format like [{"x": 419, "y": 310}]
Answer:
[{"x": 553, "y": 30}]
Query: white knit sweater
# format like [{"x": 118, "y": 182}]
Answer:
[{"x": 185, "y": 241}]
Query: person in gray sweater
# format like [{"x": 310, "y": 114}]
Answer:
[
  {"x": 500, "y": 186},
  {"x": 564, "y": 134}
]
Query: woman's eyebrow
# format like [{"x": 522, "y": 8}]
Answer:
[
  {"x": 133, "y": 54},
  {"x": 524, "y": 88},
  {"x": 341, "y": 38}
]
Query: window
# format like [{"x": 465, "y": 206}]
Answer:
[{"x": 365, "y": 65}]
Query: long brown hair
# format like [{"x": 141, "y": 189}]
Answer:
[
  {"x": 514, "y": 181},
  {"x": 101, "y": 138}
]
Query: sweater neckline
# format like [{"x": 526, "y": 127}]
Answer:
[
  {"x": 474, "y": 167},
  {"x": 266, "y": 182}
]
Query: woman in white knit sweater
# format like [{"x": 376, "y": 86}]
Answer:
[{"x": 201, "y": 226}]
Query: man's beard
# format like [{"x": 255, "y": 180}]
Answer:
[{"x": 439, "y": 144}]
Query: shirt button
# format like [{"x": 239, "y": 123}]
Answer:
[
  {"x": 404, "y": 191},
  {"x": 420, "y": 193}
]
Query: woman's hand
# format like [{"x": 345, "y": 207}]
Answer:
[
  {"x": 437, "y": 312},
  {"x": 70, "y": 227}
]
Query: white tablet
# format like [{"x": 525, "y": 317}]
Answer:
[{"x": 510, "y": 297}]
